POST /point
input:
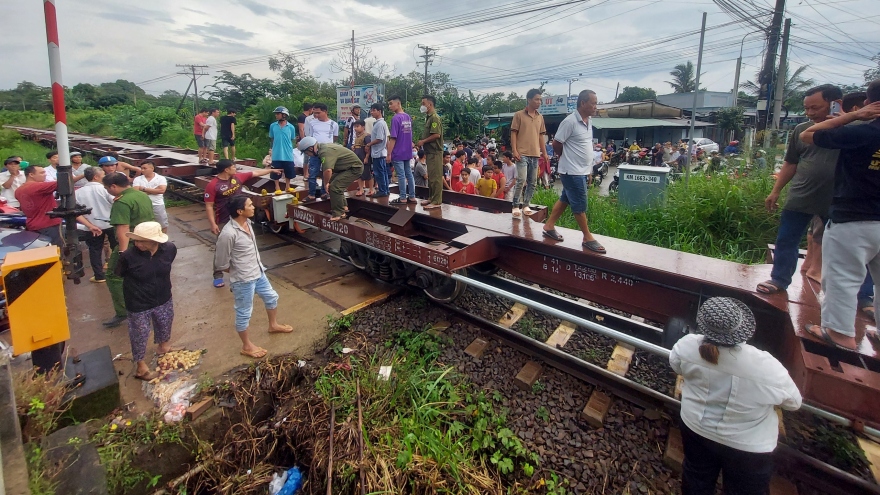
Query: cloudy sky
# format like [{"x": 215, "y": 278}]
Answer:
[{"x": 600, "y": 42}]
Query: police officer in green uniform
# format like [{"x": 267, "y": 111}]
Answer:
[
  {"x": 432, "y": 142},
  {"x": 130, "y": 208},
  {"x": 340, "y": 166}
]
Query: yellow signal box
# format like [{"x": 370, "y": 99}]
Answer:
[{"x": 34, "y": 291}]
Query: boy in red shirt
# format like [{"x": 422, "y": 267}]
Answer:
[{"x": 457, "y": 167}]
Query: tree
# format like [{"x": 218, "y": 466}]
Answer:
[
  {"x": 295, "y": 81},
  {"x": 364, "y": 67},
  {"x": 635, "y": 93},
  {"x": 730, "y": 119},
  {"x": 873, "y": 73},
  {"x": 792, "y": 91},
  {"x": 240, "y": 92},
  {"x": 683, "y": 78}
]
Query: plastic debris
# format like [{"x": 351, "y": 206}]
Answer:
[
  {"x": 294, "y": 482},
  {"x": 385, "y": 373},
  {"x": 277, "y": 483}
]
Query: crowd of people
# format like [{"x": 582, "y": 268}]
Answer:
[{"x": 831, "y": 165}]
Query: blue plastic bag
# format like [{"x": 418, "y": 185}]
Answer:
[{"x": 294, "y": 482}]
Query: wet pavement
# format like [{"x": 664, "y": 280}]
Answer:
[{"x": 310, "y": 286}]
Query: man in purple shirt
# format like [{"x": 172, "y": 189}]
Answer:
[{"x": 400, "y": 150}]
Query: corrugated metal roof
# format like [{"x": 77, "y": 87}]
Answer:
[{"x": 627, "y": 123}]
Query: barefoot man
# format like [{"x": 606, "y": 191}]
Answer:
[{"x": 237, "y": 254}]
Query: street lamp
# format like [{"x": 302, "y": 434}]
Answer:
[{"x": 739, "y": 66}]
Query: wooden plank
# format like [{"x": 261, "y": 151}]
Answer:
[
  {"x": 872, "y": 452},
  {"x": 528, "y": 375},
  {"x": 513, "y": 315},
  {"x": 621, "y": 358},
  {"x": 477, "y": 348},
  {"x": 597, "y": 408},
  {"x": 561, "y": 335},
  {"x": 369, "y": 302}
]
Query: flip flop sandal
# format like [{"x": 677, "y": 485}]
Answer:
[
  {"x": 397, "y": 201},
  {"x": 412, "y": 200},
  {"x": 431, "y": 206},
  {"x": 218, "y": 282},
  {"x": 310, "y": 198},
  {"x": 769, "y": 287},
  {"x": 552, "y": 234},
  {"x": 823, "y": 336},
  {"x": 359, "y": 193},
  {"x": 594, "y": 246},
  {"x": 336, "y": 219}
]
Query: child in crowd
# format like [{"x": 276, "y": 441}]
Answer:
[
  {"x": 544, "y": 171},
  {"x": 500, "y": 181},
  {"x": 457, "y": 166},
  {"x": 366, "y": 177},
  {"x": 475, "y": 168},
  {"x": 508, "y": 169},
  {"x": 447, "y": 172},
  {"x": 487, "y": 185},
  {"x": 464, "y": 184}
]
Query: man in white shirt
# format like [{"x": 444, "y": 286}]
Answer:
[
  {"x": 52, "y": 169},
  {"x": 11, "y": 179},
  {"x": 95, "y": 196},
  {"x": 77, "y": 167},
  {"x": 573, "y": 143},
  {"x": 154, "y": 185},
  {"x": 211, "y": 134},
  {"x": 325, "y": 130}
]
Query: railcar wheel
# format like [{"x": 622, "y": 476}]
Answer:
[
  {"x": 486, "y": 268},
  {"x": 675, "y": 329},
  {"x": 444, "y": 289},
  {"x": 277, "y": 228},
  {"x": 357, "y": 255}
]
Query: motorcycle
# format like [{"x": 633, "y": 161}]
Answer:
[
  {"x": 554, "y": 169},
  {"x": 615, "y": 182},
  {"x": 600, "y": 170}
]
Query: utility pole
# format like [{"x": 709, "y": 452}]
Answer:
[
  {"x": 616, "y": 91},
  {"x": 569, "y": 87},
  {"x": 192, "y": 73},
  {"x": 687, "y": 168},
  {"x": 765, "y": 81},
  {"x": 780, "y": 75},
  {"x": 353, "y": 69},
  {"x": 427, "y": 59}
]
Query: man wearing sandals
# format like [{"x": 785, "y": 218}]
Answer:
[
  {"x": 852, "y": 235},
  {"x": 573, "y": 143},
  {"x": 340, "y": 167},
  {"x": 237, "y": 254},
  {"x": 810, "y": 169}
]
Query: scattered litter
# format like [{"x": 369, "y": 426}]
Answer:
[
  {"x": 175, "y": 412},
  {"x": 117, "y": 357},
  {"x": 385, "y": 373},
  {"x": 300, "y": 363},
  {"x": 293, "y": 482},
  {"x": 347, "y": 350}
]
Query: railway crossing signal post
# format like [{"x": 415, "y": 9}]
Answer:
[{"x": 67, "y": 209}]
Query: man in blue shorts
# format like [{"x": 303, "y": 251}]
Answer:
[
  {"x": 573, "y": 143},
  {"x": 281, "y": 138}
]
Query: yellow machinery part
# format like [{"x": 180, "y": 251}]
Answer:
[{"x": 34, "y": 289}]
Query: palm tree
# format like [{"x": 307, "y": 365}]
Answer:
[
  {"x": 684, "y": 78},
  {"x": 792, "y": 91}
]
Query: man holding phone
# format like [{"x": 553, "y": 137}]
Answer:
[{"x": 810, "y": 170}]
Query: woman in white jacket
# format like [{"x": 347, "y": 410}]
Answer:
[{"x": 730, "y": 388}]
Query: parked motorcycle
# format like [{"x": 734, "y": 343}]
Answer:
[
  {"x": 615, "y": 182},
  {"x": 600, "y": 170}
]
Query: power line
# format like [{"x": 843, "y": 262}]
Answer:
[
  {"x": 427, "y": 59},
  {"x": 192, "y": 72}
]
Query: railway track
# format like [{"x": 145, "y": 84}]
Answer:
[
  {"x": 671, "y": 285},
  {"x": 790, "y": 462}
]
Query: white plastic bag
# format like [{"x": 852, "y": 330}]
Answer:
[{"x": 277, "y": 483}]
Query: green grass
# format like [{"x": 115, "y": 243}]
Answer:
[{"x": 717, "y": 216}]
